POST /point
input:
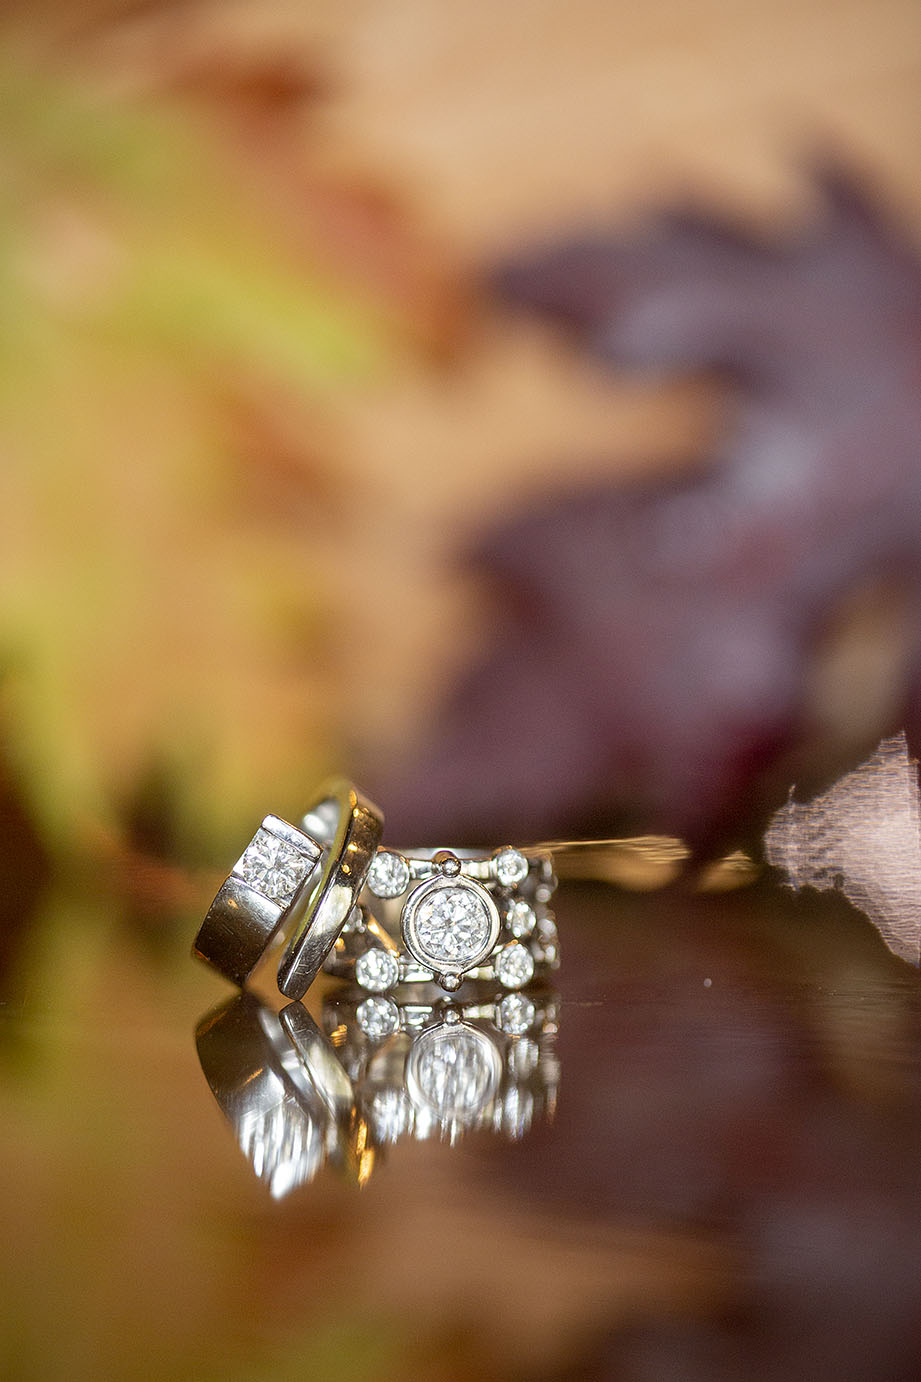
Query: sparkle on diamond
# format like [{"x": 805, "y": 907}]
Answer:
[
  {"x": 523, "y": 1055},
  {"x": 273, "y": 867},
  {"x": 389, "y": 874},
  {"x": 517, "y": 1111},
  {"x": 377, "y": 1017},
  {"x": 521, "y": 919},
  {"x": 515, "y": 966},
  {"x": 377, "y": 970},
  {"x": 391, "y": 1114},
  {"x": 515, "y": 1014},
  {"x": 511, "y": 868},
  {"x": 284, "y": 1146},
  {"x": 452, "y": 925}
]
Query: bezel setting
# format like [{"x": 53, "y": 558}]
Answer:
[{"x": 441, "y": 963}]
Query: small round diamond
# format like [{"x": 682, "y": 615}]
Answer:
[
  {"x": 511, "y": 867},
  {"x": 549, "y": 939},
  {"x": 378, "y": 1017},
  {"x": 521, "y": 919},
  {"x": 515, "y": 1014},
  {"x": 389, "y": 874},
  {"x": 514, "y": 966},
  {"x": 452, "y": 924},
  {"x": 377, "y": 970}
]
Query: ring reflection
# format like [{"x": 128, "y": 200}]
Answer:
[{"x": 301, "y": 1097}]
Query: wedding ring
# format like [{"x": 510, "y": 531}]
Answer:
[
  {"x": 459, "y": 915},
  {"x": 358, "y": 826},
  {"x": 287, "y": 878},
  {"x": 263, "y": 890}
]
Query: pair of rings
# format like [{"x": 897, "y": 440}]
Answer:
[{"x": 439, "y": 916}]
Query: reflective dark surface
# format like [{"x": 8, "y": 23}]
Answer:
[
  {"x": 384, "y": 1068},
  {"x": 701, "y": 1161}
]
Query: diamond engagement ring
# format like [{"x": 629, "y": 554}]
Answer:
[
  {"x": 306, "y": 879},
  {"x": 459, "y": 917}
]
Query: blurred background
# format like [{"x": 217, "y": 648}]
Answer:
[{"x": 256, "y": 402}]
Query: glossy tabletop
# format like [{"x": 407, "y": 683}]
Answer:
[{"x": 699, "y": 1160}]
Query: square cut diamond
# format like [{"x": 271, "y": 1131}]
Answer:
[{"x": 273, "y": 867}]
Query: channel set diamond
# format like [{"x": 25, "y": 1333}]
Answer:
[{"x": 273, "y": 867}]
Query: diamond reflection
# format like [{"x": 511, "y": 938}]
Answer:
[
  {"x": 453, "y": 1071},
  {"x": 300, "y": 1098}
]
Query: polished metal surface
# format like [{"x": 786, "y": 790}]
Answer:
[
  {"x": 242, "y": 921},
  {"x": 322, "y": 913},
  {"x": 279, "y": 1114}
]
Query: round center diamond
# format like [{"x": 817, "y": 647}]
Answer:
[{"x": 452, "y": 925}]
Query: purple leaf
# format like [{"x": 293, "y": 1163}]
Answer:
[{"x": 673, "y": 656}]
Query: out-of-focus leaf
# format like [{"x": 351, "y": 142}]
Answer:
[
  {"x": 152, "y": 616},
  {"x": 673, "y": 656}
]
